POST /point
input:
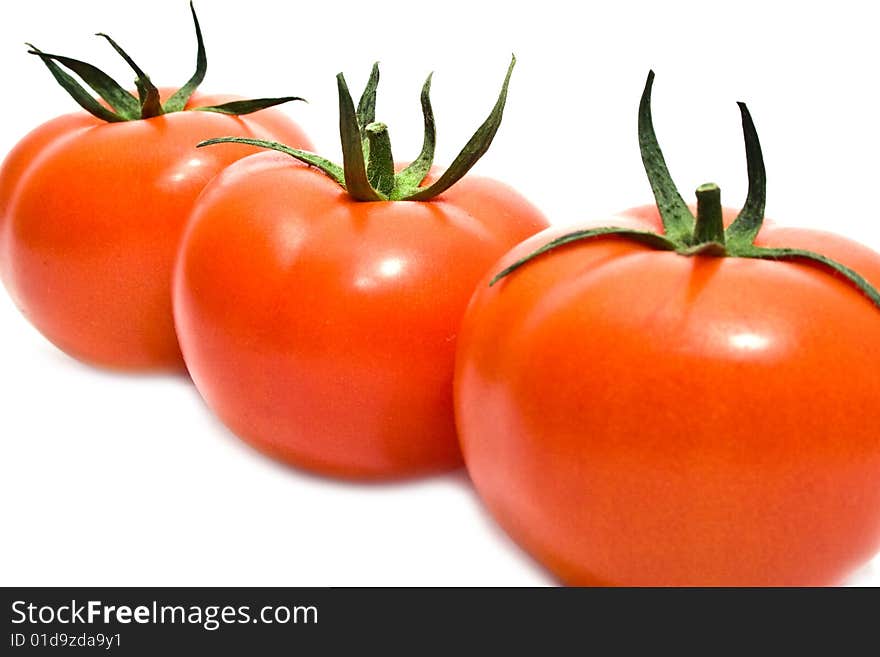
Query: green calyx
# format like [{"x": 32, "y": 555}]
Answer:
[
  {"x": 702, "y": 234},
  {"x": 125, "y": 106},
  {"x": 367, "y": 171}
]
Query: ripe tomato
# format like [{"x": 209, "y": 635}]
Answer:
[
  {"x": 321, "y": 328},
  {"x": 91, "y": 214},
  {"x": 635, "y": 416}
]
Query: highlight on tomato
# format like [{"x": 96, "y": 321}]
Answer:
[
  {"x": 318, "y": 305},
  {"x": 690, "y": 406},
  {"x": 93, "y": 204}
]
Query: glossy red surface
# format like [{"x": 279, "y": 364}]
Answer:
[
  {"x": 322, "y": 330},
  {"x": 635, "y": 417}
]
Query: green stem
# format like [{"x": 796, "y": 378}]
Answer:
[
  {"x": 706, "y": 235},
  {"x": 148, "y": 94},
  {"x": 125, "y": 106},
  {"x": 367, "y": 172},
  {"x": 380, "y": 166},
  {"x": 709, "y": 227}
]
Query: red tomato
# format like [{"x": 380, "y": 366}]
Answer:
[
  {"x": 635, "y": 417},
  {"x": 318, "y": 306},
  {"x": 92, "y": 214},
  {"x": 322, "y": 329},
  {"x": 639, "y": 416}
]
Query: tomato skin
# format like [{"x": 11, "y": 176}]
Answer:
[
  {"x": 321, "y": 329},
  {"x": 92, "y": 217},
  {"x": 22, "y": 157},
  {"x": 635, "y": 417}
]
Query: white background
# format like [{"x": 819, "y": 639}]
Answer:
[{"x": 127, "y": 480}]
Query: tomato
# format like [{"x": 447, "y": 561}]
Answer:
[
  {"x": 91, "y": 214},
  {"x": 637, "y": 416},
  {"x": 322, "y": 328},
  {"x": 93, "y": 224}
]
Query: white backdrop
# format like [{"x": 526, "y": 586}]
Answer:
[{"x": 127, "y": 480}]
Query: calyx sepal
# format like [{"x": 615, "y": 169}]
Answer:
[
  {"x": 702, "y": 234},
  {"x": 125, "y": 106},
  {"x": 367, "y": 172}
]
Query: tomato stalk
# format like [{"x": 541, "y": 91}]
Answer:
[
  {"x": 709, "y": 225},
  {"x": 703, "y": 234},
  {"x": 380, "y": 161},
  {"x": 367, "y": 172},
  {"x": 125, "y": 106}
]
